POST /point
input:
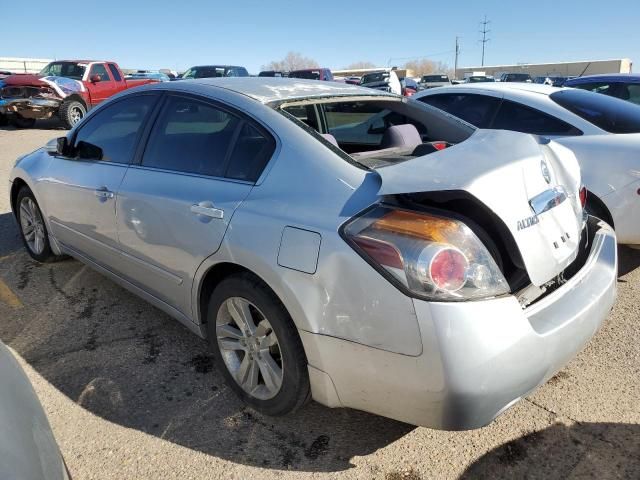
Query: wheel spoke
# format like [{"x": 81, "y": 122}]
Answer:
[
  {"x": 241, "y": 314},
  {"x": 269, "y": 341},
  {"x": 228, "y": 331},
  {"x": 271, "y": 372},
  {"x": 37, "y": 244},
  {"x": 263, "y": 328},
  {"x": 230, "y": 344},
  {"x": 26, "y": 213},
  {"x": 248, "y": 374}
]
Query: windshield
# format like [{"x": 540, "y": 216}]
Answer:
[
  {"x": 435, "y": 78},
  {"x": 64, "y": 69},
  {"x": 205, "y": 72},
  {"x": 479, "y": 79},
  {"x": 610, "y": 114},
  {"x": 375, "y": 77},
  {"x": 306, "y": 74}
]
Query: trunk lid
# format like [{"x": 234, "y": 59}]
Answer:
[{"x": 530, "y": 183}]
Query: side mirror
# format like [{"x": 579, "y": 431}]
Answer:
[
  {"x": 95, "y": 78},
  {"x": 88, "y": 151},
  {"x": 57, "y": 146}
]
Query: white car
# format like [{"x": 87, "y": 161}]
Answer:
[{"x": 603, "y": 132}]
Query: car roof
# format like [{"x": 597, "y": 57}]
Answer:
[
  {"x": 271, "y": 89},
  {"x": 501, "y": 86},
  {"x": 606, "y": 77}
]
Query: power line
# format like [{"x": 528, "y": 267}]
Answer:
[{"x": 484, "y": 32}]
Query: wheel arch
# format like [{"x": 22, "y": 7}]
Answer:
[
  {"x": 600, "y": 207},
  {"x": 214, "y": 276},
  {"x": 17, "y": 184},
  {"x": 79, "y": 98}
]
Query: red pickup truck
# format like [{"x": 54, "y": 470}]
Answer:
[{"x": 68, "y": 88}]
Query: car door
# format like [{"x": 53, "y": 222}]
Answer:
[
  {"x": 81, "y": 188},
  {"x": 175, "y": 204},
  {"x": 104, "y": 88}
]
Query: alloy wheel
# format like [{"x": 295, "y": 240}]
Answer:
[
  {"x": 250, "y": 348},
  {"x": 32, "y": 225}
]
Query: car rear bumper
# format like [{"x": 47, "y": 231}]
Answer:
[{"x": 478, "y": 358}]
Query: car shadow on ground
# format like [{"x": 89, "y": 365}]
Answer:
[
  {"x": 583, "y": 450},
  {"x": 10, "y": 241},
  {"x": 125, "y": 361},
  {"x": 46, "y": 124}
]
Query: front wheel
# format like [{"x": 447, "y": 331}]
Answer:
[
  {"x": 71, "y": 112},
  {"x": 256, "y": 346},
  {"x": 33, "y": 230}
]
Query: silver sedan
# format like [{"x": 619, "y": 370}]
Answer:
[{"x": 332, "y": 242}]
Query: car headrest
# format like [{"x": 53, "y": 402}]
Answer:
[
  {"x": 401, "y": 136},
  {"x": 329, "y": 138}
]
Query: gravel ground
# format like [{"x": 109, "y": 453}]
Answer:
[{"x": 132, "y": 394}]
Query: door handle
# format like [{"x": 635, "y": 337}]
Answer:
[
  {"x": 207, "y": 209},
  {"x": 103, "y": 194}
]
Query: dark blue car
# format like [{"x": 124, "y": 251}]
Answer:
[{"x": 620, "y": 85}]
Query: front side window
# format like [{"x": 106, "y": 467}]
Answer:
[
  {"x": 520, "y": 118},
  {"x": 99, "y": 70},
  {"x": 610, "y": 114},
  {"x": 110, "y": 135},
  {"x": 192, "y": 137}
]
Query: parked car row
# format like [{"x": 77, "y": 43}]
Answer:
[{"x": 340, "y": 243}]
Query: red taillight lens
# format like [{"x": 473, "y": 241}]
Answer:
[
  {"x": 583, "y": 196},
  {"x": 447, "y": 267},
  {"x": 439, "y": 145},
  {"x": 382, "y": 252}
]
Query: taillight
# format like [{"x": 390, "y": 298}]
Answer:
[
  {"x": 439, "y": 145},
  {"x": 431, "y": 256},
  {"x": 583, "y": 196}
]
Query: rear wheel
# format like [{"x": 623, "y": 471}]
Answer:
[
  {"x": 71, "y": 112},
  {"x": 22, "y": 122},
  {"x": 596, "y": 208},
  {"x": 256, "y": 346},
  {"x": 33, "y": 230}
]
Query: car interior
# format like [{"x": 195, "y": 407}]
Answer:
[{"x": 379, "y": 132}]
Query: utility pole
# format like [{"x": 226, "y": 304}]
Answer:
[
  {"x": 455, "y": 63},
  {"x": 484, "y": 32}
]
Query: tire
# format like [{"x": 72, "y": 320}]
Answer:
[
  {"x": 28, "y": 215},
  {"x": 71, "y": 111},
  {"x": 276, "y": 392},
  {"x": 22, "y": 122},
  {"x": 4, "y": 121}
]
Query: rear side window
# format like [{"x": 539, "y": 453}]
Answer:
[
  {"x": 520, "y": 118},
  {"x": 114, "y": 72},
  {"x": 192, "y": 136},
  {"x": 251, "y": 152},
  {"x": 478, "y": 110},
  {"x": 610, "y": 114},
  {"x": 110, "y": 135}
]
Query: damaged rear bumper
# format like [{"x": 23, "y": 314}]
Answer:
[{"x": 37, "y": 108}]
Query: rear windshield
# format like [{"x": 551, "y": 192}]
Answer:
[
  {"x": 374, "y": 77},
  {"x": 306, "y": 74},
  {"x": 610, "y": 114},
  {"x": 435, "y": 78}
]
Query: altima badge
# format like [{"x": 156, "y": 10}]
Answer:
[{"x": 545, "y": 171}]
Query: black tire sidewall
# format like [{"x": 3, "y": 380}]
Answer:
[
  {"x": 46, "y": 255},
  {"x": 65, "y": 112},
  {"x": 295, "y": 384},
  {"x": 22, "y": 122}
]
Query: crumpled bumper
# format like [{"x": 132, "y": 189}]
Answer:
[
  {"x": 478, "y": 358},
  {"x": 29, "y": 107}
]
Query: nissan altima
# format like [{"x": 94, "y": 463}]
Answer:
[{"x": 332, "y": 242}]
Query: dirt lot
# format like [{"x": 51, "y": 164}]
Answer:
[{"x": 132, "y": 394}]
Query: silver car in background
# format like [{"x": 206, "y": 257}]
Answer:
[
  {"x": 28, "y": 448},
  {"x": 332, "y": 242}
]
